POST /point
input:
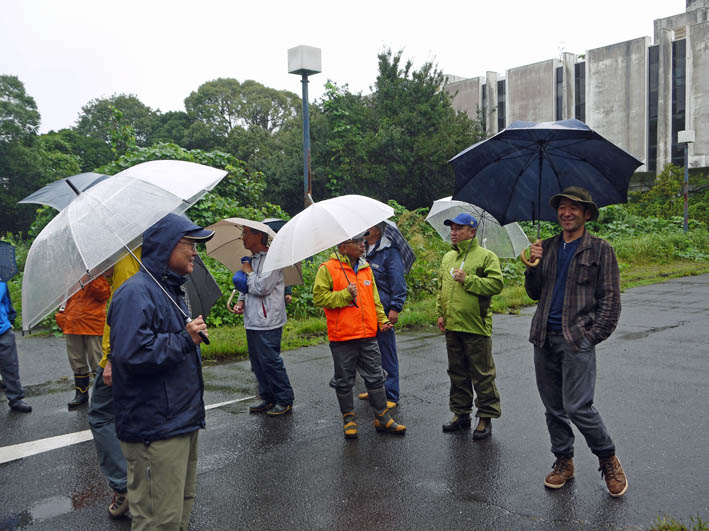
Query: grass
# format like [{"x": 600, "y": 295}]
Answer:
[
  {"x": 667, "y": 523},
  {"x": 229, "y": 342}
]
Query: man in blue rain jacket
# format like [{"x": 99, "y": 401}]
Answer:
[{"x": 157, "y": 377}]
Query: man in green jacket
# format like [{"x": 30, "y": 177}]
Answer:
[{"x": 468, "y": 278}]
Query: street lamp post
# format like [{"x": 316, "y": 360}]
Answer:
[
  {"x": 305, "y": 61},
  {"x": 686, "y": 138}
]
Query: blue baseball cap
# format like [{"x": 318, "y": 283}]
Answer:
[{"x": 463, "y": 219}]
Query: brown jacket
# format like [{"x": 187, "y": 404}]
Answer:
[{"x": 592, "y": 296}]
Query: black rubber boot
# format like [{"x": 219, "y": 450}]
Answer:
[
  {"x": 346, "y": 401},
  {"x": 81, "y": 384}
]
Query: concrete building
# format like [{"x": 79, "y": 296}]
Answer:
[{"x": 639, "y": 93}]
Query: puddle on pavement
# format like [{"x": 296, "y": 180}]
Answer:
[{"x": 42, "y": 510}]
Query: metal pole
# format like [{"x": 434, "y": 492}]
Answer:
[
  {"x": 686, "y": 187},
  {"x": 307, "y": 183}
]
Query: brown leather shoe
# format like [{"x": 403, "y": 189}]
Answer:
[
  {"x": 612, "y": 472},
  {"x": 562, "y": 471}
]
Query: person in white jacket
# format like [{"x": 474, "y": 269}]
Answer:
[{"x": 262, "y": 304}]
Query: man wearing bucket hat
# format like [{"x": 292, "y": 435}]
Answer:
[
  {"x": 468, "y": 278},
  {"x": 577, "y": 284}
]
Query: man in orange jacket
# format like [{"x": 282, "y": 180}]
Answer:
[
  {"x": 82, "y": 323},
  {"x": 344, "y": 286}
]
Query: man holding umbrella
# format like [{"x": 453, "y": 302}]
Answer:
[
  {"x": 157, "y": 377},
  {"x": 468, "y": 278},
  {"x": 345, "y": 287},
  {"x": 577, "y": 285}
]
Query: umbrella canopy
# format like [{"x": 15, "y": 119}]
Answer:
[
  {"x": 60, "y": 193},
  {"x": 227, "y": 246},
  {"x": 323, "y": 225},
  {"x": 94, "y": 230},
  {"x": 8, "y": 265},
  {"x": 201, "y": 289},
  {"x": 506, "y": 241},
  {"x": 397, "y": 239},
  {"x": 513, "y": 174}
]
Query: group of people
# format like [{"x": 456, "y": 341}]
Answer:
[{"x": 147, "y": 405}]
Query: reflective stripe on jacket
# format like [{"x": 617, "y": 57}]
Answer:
[{"x": 345, "y": 321}]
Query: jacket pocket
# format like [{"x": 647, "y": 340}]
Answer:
[{"x": 586, "y": 271}]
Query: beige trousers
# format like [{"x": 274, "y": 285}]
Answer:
[{"x": 84, "y": 353}]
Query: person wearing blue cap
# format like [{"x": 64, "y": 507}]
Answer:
[
  {"x": 468, "y": 278},
  {"x": 158, "y": 390}
]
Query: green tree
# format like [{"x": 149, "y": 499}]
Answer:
[
  {"x": 19, "y": 117},
  {"x": 98, "y": 118},
  {"x": 91, "y": 152}
]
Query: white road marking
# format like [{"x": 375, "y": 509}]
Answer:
[{"x": 18, "y": 451}]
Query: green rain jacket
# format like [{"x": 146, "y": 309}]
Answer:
[{"x": 466, "y": 307}]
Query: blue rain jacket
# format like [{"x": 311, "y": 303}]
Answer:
[
  {"x": 385, "y": 261},
  {"x": 157, "y": 369},
  {"x": 7, "y": 312}
]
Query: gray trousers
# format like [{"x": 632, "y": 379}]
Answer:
[
  {"x": 356, "y": 355},
  {"x": 103, "y": 427},
  {"x": 566, "y": 380},
  {"x": 9, "y": 367}
]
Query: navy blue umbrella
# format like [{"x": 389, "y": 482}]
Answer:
[
  {"x": 513, "y": 174},
  {"x": 8, "y": 265}
]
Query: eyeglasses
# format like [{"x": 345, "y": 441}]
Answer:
[{"x": 191, "y": 244}]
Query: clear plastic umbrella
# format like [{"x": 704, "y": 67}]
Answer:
[
  {"x": 95, "y": 229},
  {"x": 323, "y": 225},
  {"x": 506, "y": 241}
]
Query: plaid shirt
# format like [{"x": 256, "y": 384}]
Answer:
[{"x": 592, "y": 296}]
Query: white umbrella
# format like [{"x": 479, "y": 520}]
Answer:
[
  {"x": 227, "y": 246},
  {"x": 94, "y": 230},
  {"x": 323, "y": 225},
  {"x": 506, "y": 241}
]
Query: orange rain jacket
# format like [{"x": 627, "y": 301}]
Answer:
[{"x": 85, "y": 311}]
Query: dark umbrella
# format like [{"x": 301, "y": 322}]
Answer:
[
  {"x": 513, "y": 174},
  {"x": 397, "y": 239},
  {"x": 201, "y": 289},
  {"x": 8, "y": 265},
  {"x": 60, "y": 193}
]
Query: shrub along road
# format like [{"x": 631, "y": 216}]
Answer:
[{"x": 298, "y": 472}]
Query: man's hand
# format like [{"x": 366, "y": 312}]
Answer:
[
  {"x": 393, "y": 316},
  {"x": 288, "y": 298},
  {"x": 352, "y": 288},
  {"x": 459, "y": 275},
  {"x": 108, "y": 374},
  {"x": 194, "y": 327},
  {"x": 441, "y": 325},
  {"x": 246, "y": 267},
  {"x": 240, "y": 307},
  {"x": 385, "y": 327},
  {"x": 535, "y": 251}
]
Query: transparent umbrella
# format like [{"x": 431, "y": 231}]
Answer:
[
  {"x": 96, "y": 228},
  {"x": 506, "y": 241}
]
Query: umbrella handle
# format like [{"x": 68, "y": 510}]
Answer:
[
  {"x": 229, "y": 307},
  {"x": 533, "y": 263}
]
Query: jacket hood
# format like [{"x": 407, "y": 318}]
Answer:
[
  {"x": 466, "y": 245},
  {"x": 383, "y": 243},
  {"x": 159, "y": 241}
]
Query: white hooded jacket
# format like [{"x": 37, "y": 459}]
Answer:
[{"x": 264, "y": 304}]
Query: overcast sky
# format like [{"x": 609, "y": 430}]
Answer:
[{"x": 68, "y": 52}]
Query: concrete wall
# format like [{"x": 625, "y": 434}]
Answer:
[
  {"x": 664, "y": 100},
  {"x": 698, "y": 93},
  {"x": 467, "y": 96},
  {"x": 696, "y": 14},
  {"x": 530, "y": 92},
  {"x": 616, "y": 94},
  {"x": 569, "y": 86},
  {"x": 491, "y": 97}
]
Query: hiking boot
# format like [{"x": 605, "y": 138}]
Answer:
[
  {"x": 21, "y": 406},
  {"x": 458, "y": 422},
  {"x": 279, "y": 410},
  {"x": 261, "y": 407},
  {"x": 483, "y": 430},
  {"x": 562, "y": 471},
  {"x": 384, "y": 423},
  {"x": 350, "y": 426},
  {"x": 81, "y": 384},
  {"x": 119, "y": 505},
  {"x": 612, "y": 472},
  {"x": 365, "y": 396}
]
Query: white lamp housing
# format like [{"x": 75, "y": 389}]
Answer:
[{"x": 304, "y": 60}]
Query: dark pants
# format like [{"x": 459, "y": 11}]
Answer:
[
  {"x": 103, "y": 427},
  {"x": 566, "y": 380},
  {"x": 10, "y": 368},
  {"x": 471, "y": 367},
  {"x": 268, "y": 366},
  {"x": 356, "y": 355},
  {"x": 390, "y": 363}
]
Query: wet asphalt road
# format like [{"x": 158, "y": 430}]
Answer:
[{"x": 298, "y": 472}]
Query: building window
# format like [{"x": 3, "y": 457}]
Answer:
[
  {"x": 559, "y": 92},
  {"x": 501, "y": 105},
  {"x": 484, "y": 111},
  {"x": 580, "y": 88},
  {"x": 678, "y": 98},
  {"x": 652, "y": 102}
]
